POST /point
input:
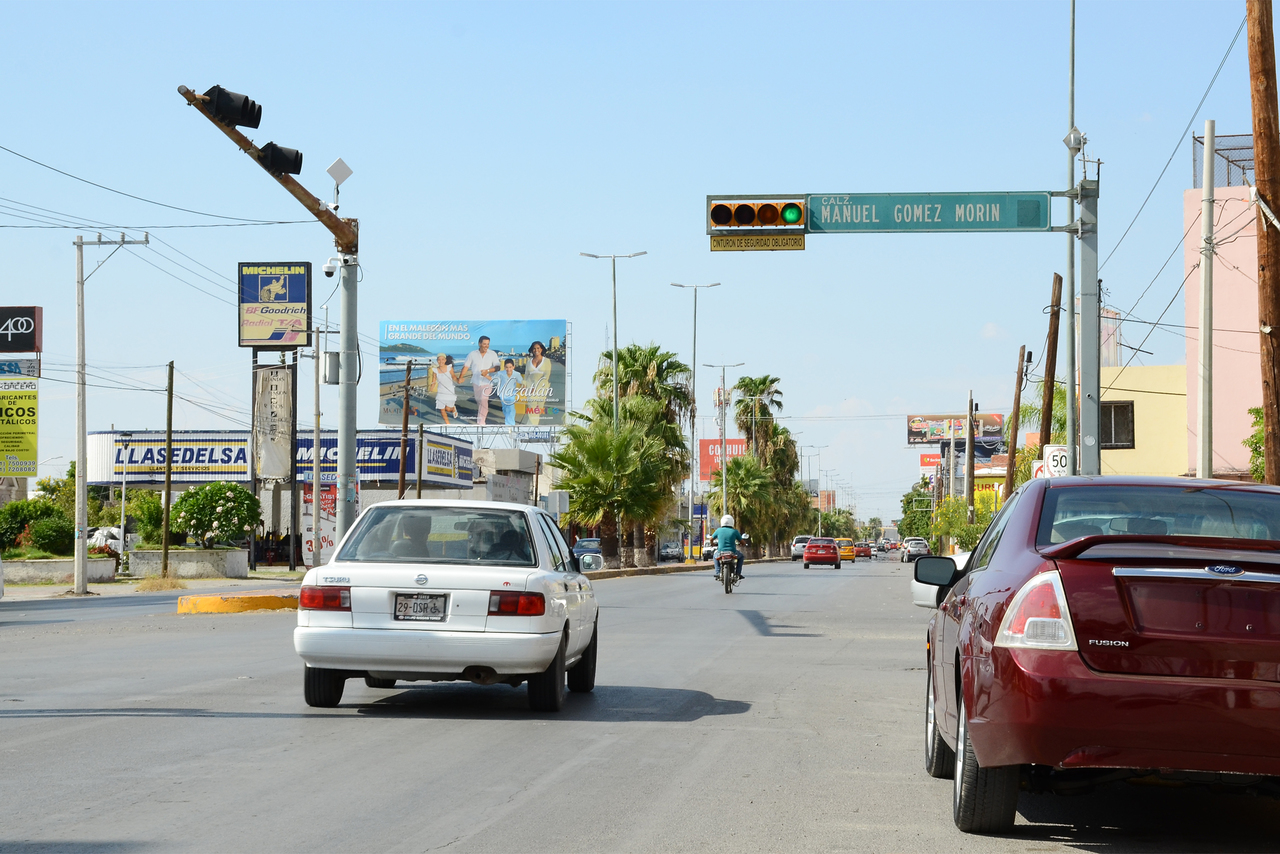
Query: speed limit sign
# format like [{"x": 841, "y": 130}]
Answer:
[{"x": 1055, "y": 461}]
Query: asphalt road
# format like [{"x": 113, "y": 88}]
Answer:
[{"x": 785, "y": 717}]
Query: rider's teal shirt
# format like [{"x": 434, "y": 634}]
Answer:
[{"x": 727, "y": 539}]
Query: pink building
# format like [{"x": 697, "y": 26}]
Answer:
[{"x": 1237, "y": 375}]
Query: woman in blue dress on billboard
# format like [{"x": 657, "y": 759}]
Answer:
[{"x": 537, "y": 380}]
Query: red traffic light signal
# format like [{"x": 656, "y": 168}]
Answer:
[
  {"x": 232, "y": 108},
  {"x": 729, "y": 213}
]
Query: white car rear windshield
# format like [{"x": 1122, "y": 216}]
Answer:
[
  {"x": 456, "y": 535},
  {"x": 1082, "y": 511}
]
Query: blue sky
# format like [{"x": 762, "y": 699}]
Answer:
[{"x": 493, "y": 142}]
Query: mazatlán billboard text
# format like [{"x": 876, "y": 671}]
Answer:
[
  {"x": 483, "y": 372},
  {"x": 275, "y": 305},
  {"x": 931, "y": 429},
  {"x": 709, "y": 455}
]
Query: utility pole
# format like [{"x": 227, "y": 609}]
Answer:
[
  {"x": 81, "y": 575},
  {"x": 1090, "y": 330},
  {"x": 968, "y": 458},
  {"x": 1266, "y": 165},
  {"x": 317, "y": 542},
  {"x": 404, "y": 427},
  {"x": 1074, "y": 141},
  {"x": 168, "y": 474},
  {"x": 1050, "y": 367},
  {"x": 1204, "y": 438},
  {"x": 693, "y": 412},
  {"x": 1013, "y": 427},
  {"x": 124, "y": 478},
  {"x": 721, "y": 405},
  {"x": 421, "y": 458}
]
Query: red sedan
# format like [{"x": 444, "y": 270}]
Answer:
[
  {"x": 1107, "y": 628},
  {"x": 821, "y": 550}
]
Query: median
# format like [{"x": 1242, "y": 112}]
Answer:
[{"x": 283, "y": 599}]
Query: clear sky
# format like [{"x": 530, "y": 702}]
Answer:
[{"x": 493, "y": 142}]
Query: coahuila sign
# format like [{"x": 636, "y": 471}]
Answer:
[{"x": 709, "y": 454}]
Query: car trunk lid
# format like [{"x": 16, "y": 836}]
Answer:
[{"x": 428, "y": 597}]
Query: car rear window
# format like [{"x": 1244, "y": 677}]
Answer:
[
  {"x": 587, "y": 543},
  {"x": 457, "y": 535},
  {"x": 1081, "y": 511},
  {"x": 821, "y": 541}
]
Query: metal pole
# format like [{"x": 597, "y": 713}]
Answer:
[
  {"x": 1090, "y": 332},
  {"x": 1070, "y": 281},
  {"x": 82, "y": 451},
  {"x": 1204, "y": 457},
  {"x": 404, "y": 428},
  {"x": 168, "y": 474},
  {"x": 348, "y": 377},
  {"x": 968, "y": 457},
  {"x": 724, "y": 445},
  {"x": 693, "y": 429},
  {"x": 124, "y": 477},
  {"x": 820, "y": 492},
  {"x": 614, "y": 263},
  {"x": 295, "y": 512},
  {"x": 317, "y": 541}
]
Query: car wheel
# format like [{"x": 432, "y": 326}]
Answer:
[
  {"x": 984, "y": 800},
  {"x": 939, "y": 758},
  {"x": 582, "y": 678},
  {"x": 546, "y": 689},
  {"x": 806, "y": 564},
  {"x": 837, "y": 565},
  {"x": 322, "y": 688},
  {"x": 373, "y": 682}
]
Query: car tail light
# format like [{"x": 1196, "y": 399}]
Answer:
[
  {"x": 506, "y": 603},
  {"x": 325, "y": 598},
  {"x": 1038, "y": 616}
]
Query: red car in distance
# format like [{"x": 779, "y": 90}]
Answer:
[
  {"x": 821, "y": 550},
  {"x": 862, "y": 549},
  {"x": 1103, "y": 629}
]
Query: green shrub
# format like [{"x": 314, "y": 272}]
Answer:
[
  {"x": 55, "y": 534},
  {"x": 17, "y": 515},
  {"x": 148, "y": 511},
  {"x": 216, "y": 512}
]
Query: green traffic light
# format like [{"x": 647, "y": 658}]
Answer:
[{"x": 792, "y": 213}]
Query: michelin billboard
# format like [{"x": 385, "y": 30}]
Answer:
[
  {"x": 481, "y": 372},
  {"x": 275, "y": 305}
]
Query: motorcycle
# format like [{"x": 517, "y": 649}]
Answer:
[{"x": 727, "y": 568}]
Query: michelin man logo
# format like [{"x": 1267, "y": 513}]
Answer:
[{"x": 273, "y": 291}]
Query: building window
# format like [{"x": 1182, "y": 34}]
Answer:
[{"x": 1117, "y": 424}]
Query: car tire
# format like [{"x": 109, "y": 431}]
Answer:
[
  {"x": 939, "y": 758},
  {"x": 322, "y": 688},
  {"x": 984, "y": 800},
  {"x": 837, "y": 566},
  {"x": 374, "y": 682},
  {"x": 582, "y": 678},
  {"x": 546, "y": 689},
  {"x": 806, "y": 564}
]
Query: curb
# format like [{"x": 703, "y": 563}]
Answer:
[
  {"x": 232, "y": 603},
  {"x": 602, "y": 574}
]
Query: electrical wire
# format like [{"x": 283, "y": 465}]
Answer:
[{"x": 1177, "y": 145}]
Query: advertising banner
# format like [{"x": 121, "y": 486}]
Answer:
[
  {"x": 19, "y": 401},
  {"x": 483, "y": 372},
  {"x": 447, "y": 462},
  {"x": 275, "y": 305},
  {"x": 932, "y": 429},
  {"x": 327, "y": 524},
  {"x": 21, "y": 328},
  {"x": 20, "y": 367},
  {"x": 273, "y": 421},
  {"x": 709, "y": 455}
]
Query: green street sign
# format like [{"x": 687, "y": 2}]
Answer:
[{"x": 844, "y": 213}]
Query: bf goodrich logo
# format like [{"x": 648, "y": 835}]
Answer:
[{"x": 20, "y": 329}]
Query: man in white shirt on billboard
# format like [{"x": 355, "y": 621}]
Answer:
[{"x": 481, "y": 364}]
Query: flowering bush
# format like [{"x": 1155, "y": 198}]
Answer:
[{"x": 216, "y": 512}]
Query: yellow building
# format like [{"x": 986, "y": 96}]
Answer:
[{"x": 1144, "y": 420}]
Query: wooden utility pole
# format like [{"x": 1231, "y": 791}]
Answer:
[
  {"x": 968, "y": 458},
  {"x": 1050, "y": 367},
  {"x": 1266, "y": 165},
  {"x": 421, "y": 458},
  {"x": 1013, "y": 427},
  {"x": 404, "y": 427},
  {"x": 168, "y": 476}
]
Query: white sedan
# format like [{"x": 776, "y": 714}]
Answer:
[{"x": 449, "y": 590}]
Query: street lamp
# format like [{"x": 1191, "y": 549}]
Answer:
[
  {"x": 724, "y": 454},
  {"x": 124, "y": 437},
  {"x": 693, "y": 408},
  {"x": 613, "y": 259}
]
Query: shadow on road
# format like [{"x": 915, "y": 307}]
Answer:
[
  {"x": 28, "y": 846},
  {"x": 761, "y": 624},
  {"x": 1122, "y": 818},
  {"x": 607, "y": 704}
]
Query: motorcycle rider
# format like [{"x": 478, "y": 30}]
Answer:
[{"x": 727, "y": 538}]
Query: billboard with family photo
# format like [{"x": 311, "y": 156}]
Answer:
[{"x": 473, "y": 372}]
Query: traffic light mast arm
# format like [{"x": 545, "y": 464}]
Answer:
[{"x": 345, "y": 231}]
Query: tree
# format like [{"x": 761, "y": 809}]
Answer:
[
  {"x": 216, "y": 512},
  {"x": 751, "y": 411},
  {"x": 1029, "y": 413},
  {"x": 952, "y": 519},
  {"x": 1257, "y": 463},
  {"x": 750, "y": 485},
  {"x": 915, "y": 511},
  {"x": 61, "y": 491},
  {"x": 874, "y": 529},
  {"x": 646, "y": 371},
  {"x": 838, "y": 523}
]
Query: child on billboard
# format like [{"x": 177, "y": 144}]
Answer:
[{"x": 507, "y": 385}]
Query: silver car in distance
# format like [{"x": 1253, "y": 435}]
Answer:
[{"x": 440, "y": 590}]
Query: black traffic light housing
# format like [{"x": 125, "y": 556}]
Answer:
[
  {"x": 276, "y": 158},
  {"x": 727, "y": 213},
  {"x": 232, "y": 108}
]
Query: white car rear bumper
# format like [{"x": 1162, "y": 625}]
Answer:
[{"x": 508, "y": 653}]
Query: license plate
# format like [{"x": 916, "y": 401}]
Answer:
[{"x": 421, "y": 606}]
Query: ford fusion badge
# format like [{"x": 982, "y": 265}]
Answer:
[
  {"x": 421, "y": 579},
  {"x": 1224, "y": 569}
]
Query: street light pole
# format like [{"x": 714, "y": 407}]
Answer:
[
  {"x": 124, "y": 476},
  {"x": 724, "y": 444},
  {"x": 613, "y": 259},
  {"x": 693, "y": 410}
]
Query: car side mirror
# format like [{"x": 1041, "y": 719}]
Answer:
[
  {"x": 936, "y": 570},
  {"x": 587, "y": 563}
]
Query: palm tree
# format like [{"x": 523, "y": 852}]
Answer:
[
  {"x": 647, "y": 371},
  {"x": 749, "y": 491},
  {"x": 613, "y": 477},
  {"x": 1029, "y": 412},
  {"x": 751, "y": 410}
]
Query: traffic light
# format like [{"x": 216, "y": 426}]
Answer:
[
  {"x": 735, "y": 213},
  {"x": 276, "y": 158},
  {"x": 232, "y": 108}
]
